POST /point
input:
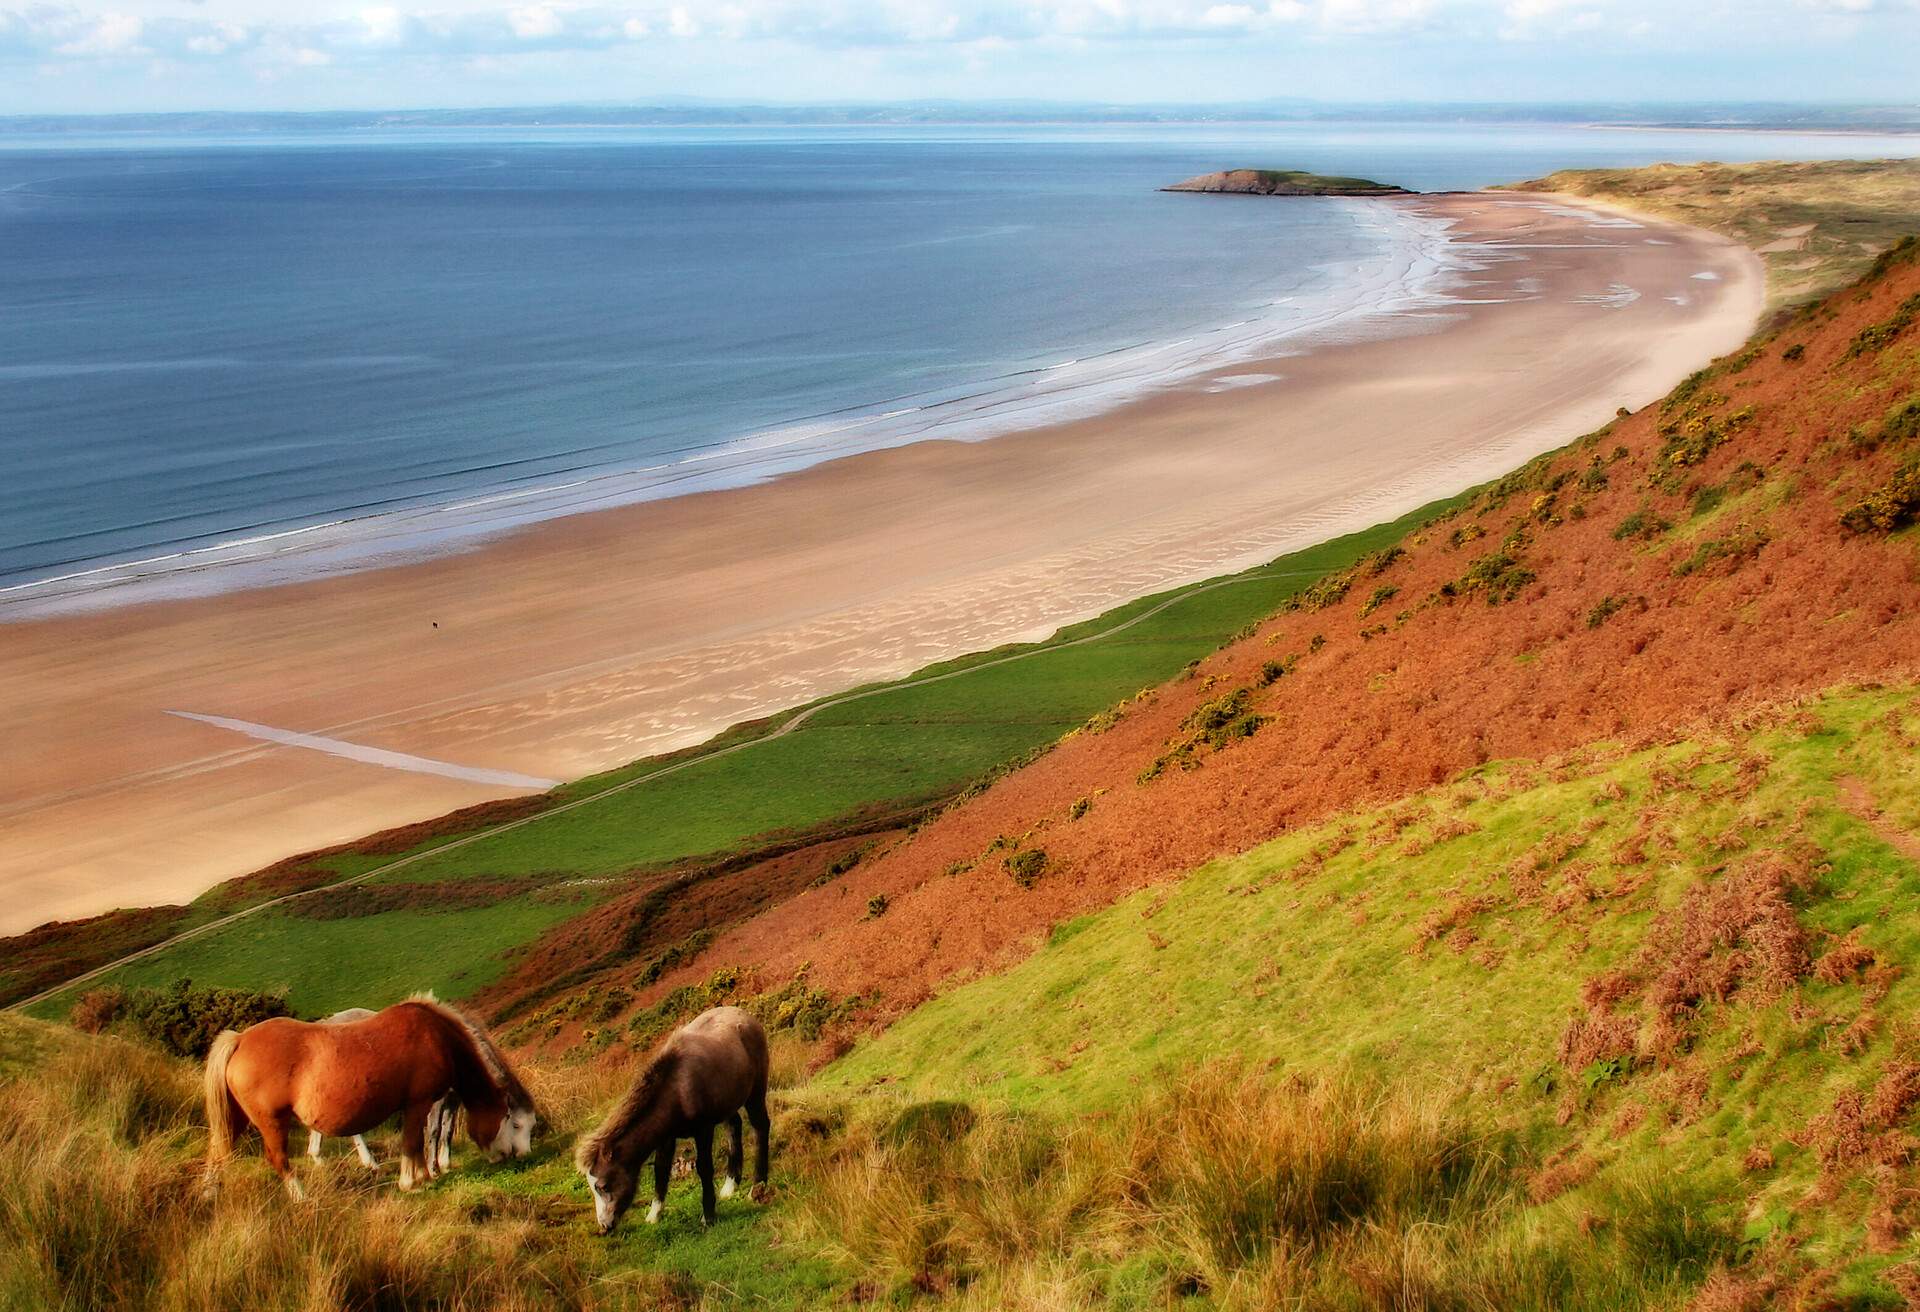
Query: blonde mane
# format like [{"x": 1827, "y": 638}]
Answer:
[{"x": 518, "y": 1099}]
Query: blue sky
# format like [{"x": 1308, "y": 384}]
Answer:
[{"x": 77, "y": 56}]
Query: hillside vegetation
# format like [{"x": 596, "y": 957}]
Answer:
[
  {"x": 745, "y": 820},
  {"x": 1817, "y": 224}
]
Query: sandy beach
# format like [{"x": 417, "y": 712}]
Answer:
[{"x": 580, "y": 643}]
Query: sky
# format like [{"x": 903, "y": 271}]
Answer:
[{"x": 86, "y": 56}]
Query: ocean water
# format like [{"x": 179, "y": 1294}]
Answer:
[{"x": 225, "y": 360}]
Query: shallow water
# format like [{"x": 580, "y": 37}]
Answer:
[{"x": 208, "y": 341}]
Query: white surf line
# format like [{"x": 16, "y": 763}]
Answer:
[{"x": 373, "y": 755}]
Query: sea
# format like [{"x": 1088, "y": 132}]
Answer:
[{"x": 233, "y": 360}]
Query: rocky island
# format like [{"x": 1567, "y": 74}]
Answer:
[{"x": 1284, "y": 182}]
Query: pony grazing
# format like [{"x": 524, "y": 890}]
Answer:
[
  {"x": 440, "y": 1121},
  {"x": 705, "y": 1073},
  {"x": 347, "y": 1077}
]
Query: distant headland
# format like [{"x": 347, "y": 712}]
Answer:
[{"x": 1285, "y": 182}]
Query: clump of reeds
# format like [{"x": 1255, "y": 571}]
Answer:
[{"x": 1246, "y": 1191}]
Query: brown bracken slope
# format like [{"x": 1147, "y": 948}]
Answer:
[{"x": 1738, "y": 542}]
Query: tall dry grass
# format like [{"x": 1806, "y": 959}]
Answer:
[
  {"x": 105, "y": 1206},
  {"x": 1242, "y": 1192},
  {"x": 1224, "y": 1190}
]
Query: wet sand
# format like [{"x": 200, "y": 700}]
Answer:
[{"x": 581, "y": 643}]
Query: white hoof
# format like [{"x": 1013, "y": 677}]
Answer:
[
  {"x": 726, "y": 1187},
  {"x": 294, "y": 1191},
  {"x": 653, "y": 1214},
  {"x": 366, "y": 1153}
]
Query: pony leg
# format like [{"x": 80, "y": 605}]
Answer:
[
  {"x": 736, "y": 1155},
  {"x": 762, "y": 1133},
  {"x": 313, "y": 1144},
  {"x": 273, "y": 1136},
  {"x": 413, "y": 1143},
  {"x": 440, "y": 1123},
  {"x": 703, "y": 1163},
  {"x": 662, "y": 1174},
  {"x": 366, "y": 1153}
]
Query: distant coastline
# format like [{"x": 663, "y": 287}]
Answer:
[{"x": 1845, "y": 120}]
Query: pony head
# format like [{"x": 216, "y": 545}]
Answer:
[
  {"x": 503, "y": 1132},
  {"x": 611, "y": 1182},
  {"x": 514, "y": 1138}
]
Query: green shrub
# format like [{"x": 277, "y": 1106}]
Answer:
[
  {"x": 1698, "y": 432},
  {"x": 877, "y": 906},
  {"x": 1642, "y": 523},
  {"x": 1381, "y": 596},
  {"x": 1902, "y": 423},
  {"x": 1735, "y": 550},
  {"x": 1877, "y": 337},
  {"x": 1329, "y": 591},
  {"x": 1889, "y": 506},
  {"x": 1745, "y": 478},
  {"x": 685, "y": 950},
  {"x": 182, "y": 1019},
  {"x": 1026, "y": 866},
  {"x": 1794, "y": 352},
  {"x": 1498, "y": 575},
  {"x": 1381, "y": 561},
  {"x": 1605, "y": 609}
]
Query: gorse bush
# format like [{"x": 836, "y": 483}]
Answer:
[
  {"x": 182, "y": 1019},
  {"x": 1892, "y": 505}
]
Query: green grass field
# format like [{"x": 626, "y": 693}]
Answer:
[
  {"x": 1429, "y": 949},
  {"x": 892, "y": 746}
]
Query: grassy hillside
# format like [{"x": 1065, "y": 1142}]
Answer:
[
  {"x": 1818, "y": 225},
  {"x": 445, "y": 905},
  {"x": 1697, "y": 954}
]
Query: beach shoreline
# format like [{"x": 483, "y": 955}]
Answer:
[
  {"x": 575, "y": 644},
  {"x": 1416, "y": 264}
]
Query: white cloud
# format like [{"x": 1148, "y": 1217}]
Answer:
[
  {"x": 534, "y": 23},
  {"x": 385, "y": 26},
  {"x": 111, "y": 34}
]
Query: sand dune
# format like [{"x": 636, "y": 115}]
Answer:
[{"x": 576, "y": 644}]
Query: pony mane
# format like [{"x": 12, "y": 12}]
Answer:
[
  {"x": 638, "y": 1100},
  {"x": 518, "y": 1099}
]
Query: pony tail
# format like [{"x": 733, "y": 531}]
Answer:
[{"x": 221, "y": 1111}]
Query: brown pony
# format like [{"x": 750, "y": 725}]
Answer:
[
  {"x": 704, "y": 1073},
  {"x": 345, "y": 1078}
]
